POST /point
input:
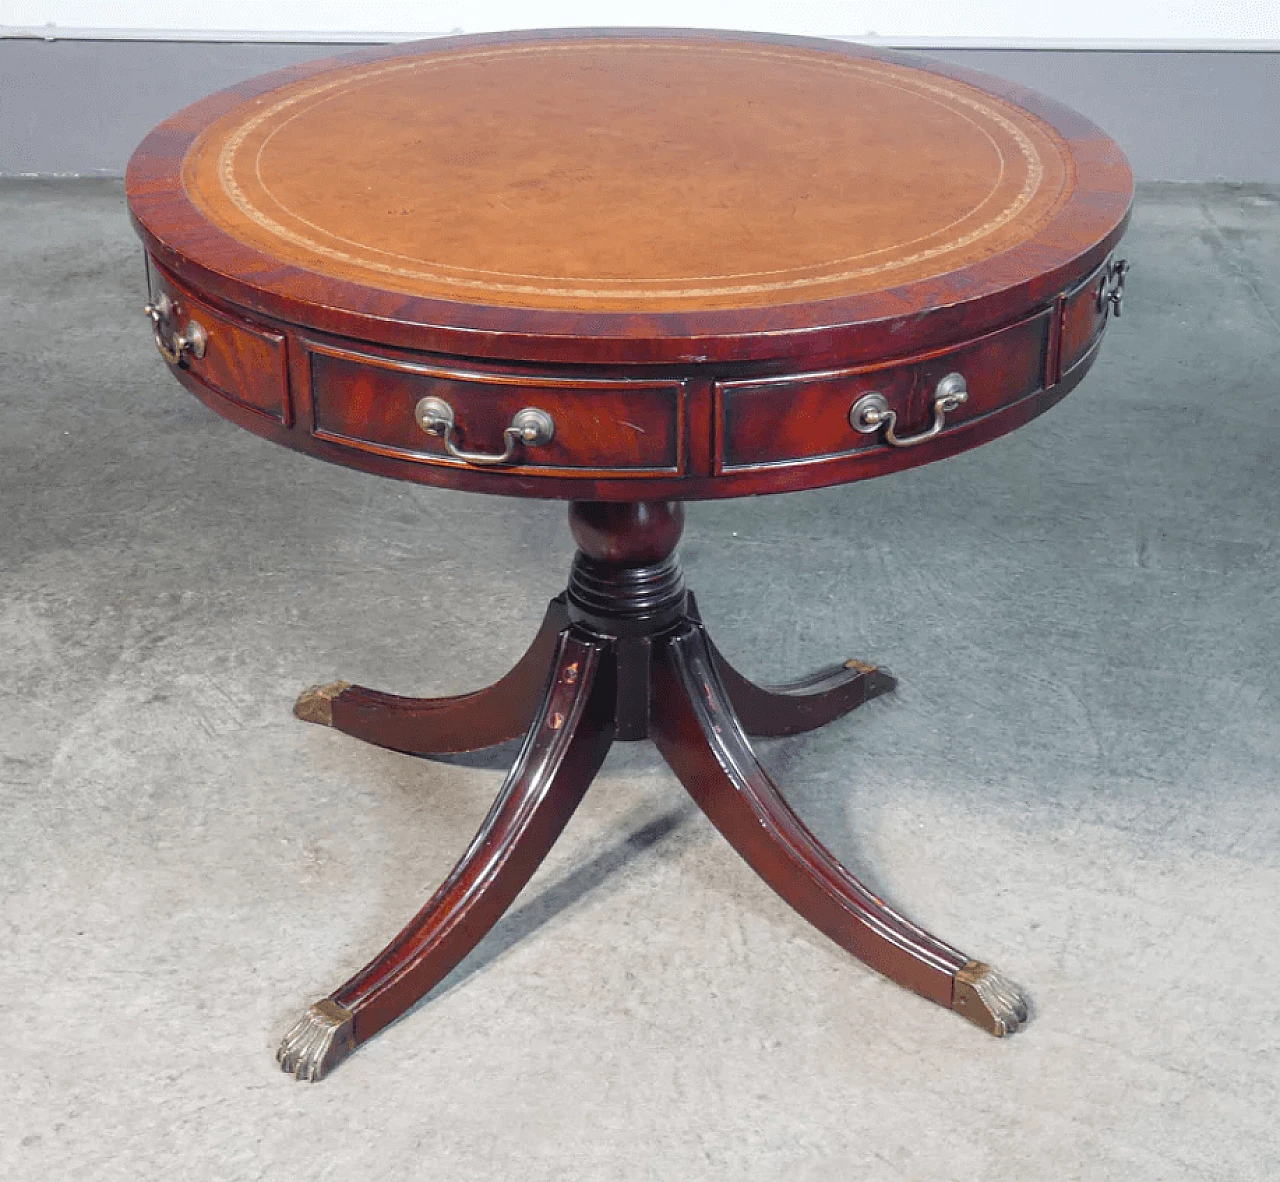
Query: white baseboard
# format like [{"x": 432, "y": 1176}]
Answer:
[{"x": 320, "y": 37}]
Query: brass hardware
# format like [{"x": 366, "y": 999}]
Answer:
[
  {"x": 315, "y": 704},
  {"x": 530, "y": 427},
  {"x": 989, "y": 999},
  {"x": 194, "y": 338},
  {"x": 1111, "y": 286},
  {"x": 320, "y": 1040},
  {"x": 871, "y": 412}
]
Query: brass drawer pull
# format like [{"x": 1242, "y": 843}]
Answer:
[
  {"x": 530, "y": 427},
  {"x": 1111, "y": 287},
  {"x": 193, "y": 340},
  {"x": 871, "y": 412}
]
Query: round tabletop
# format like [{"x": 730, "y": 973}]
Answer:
[{"x": 711, "y": 208}]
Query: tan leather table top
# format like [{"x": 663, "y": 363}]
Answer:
[
  {"x": 630, "y": 173},
  {"x": 632, "y": 196}
]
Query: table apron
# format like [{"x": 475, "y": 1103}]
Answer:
[{"x": 623, "y": 433}]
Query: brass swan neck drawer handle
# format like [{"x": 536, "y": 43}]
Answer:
[
  {"x": 871, "y": 412},
  {"x": 1111, "y": 287},
  {"x": 172, "y": 346},
  {"x": 530, "y": 427}
]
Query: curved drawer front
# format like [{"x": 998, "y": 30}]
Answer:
[
  {"x": 1084, "y": 316},
  {"x": 805, "y": 419},
  {"x": 614, "y": 427},
  {"x": 624, "y": 432},
  {"x": 242, "y": 362}
]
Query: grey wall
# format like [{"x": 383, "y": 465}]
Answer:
[
  {"x": 72, "y": 107},
  {"x": 1178, "y": 116}
]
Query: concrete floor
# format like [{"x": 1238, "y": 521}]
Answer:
[{"x": 1076, "y": 781}]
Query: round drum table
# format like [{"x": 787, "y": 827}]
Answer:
[{"x": 628, "y": 269}]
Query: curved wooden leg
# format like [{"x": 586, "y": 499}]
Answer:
[
  {"x": 563, "y": 750},
  {"x": 791, "y": 708},
  {"x": 442, "y": 726},
  {"x": 698, "y": 733},
  {"x": 770, "y": 711}
]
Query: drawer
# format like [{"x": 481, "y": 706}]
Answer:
[
  {"x": 241, "y": 361},
  {"x": 1084, "y": 316},
  {"x": 764, "y": 422},
  {"x": 600, "y": 426}
]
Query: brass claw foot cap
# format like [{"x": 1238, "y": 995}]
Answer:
[
  {"x": 321, "y": 1039},
  {"x": 315, "y": 703},
  {"x": 989, "y": 999},
  {"x": 880, "y": 681}
]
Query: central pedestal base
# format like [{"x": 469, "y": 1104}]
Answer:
[{"x": 623, "y": 654}]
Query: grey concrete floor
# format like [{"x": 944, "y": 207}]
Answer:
[{"x": 1076, "y": 781}]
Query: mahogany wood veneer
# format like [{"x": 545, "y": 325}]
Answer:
[{"x": 628, "y": 268}]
